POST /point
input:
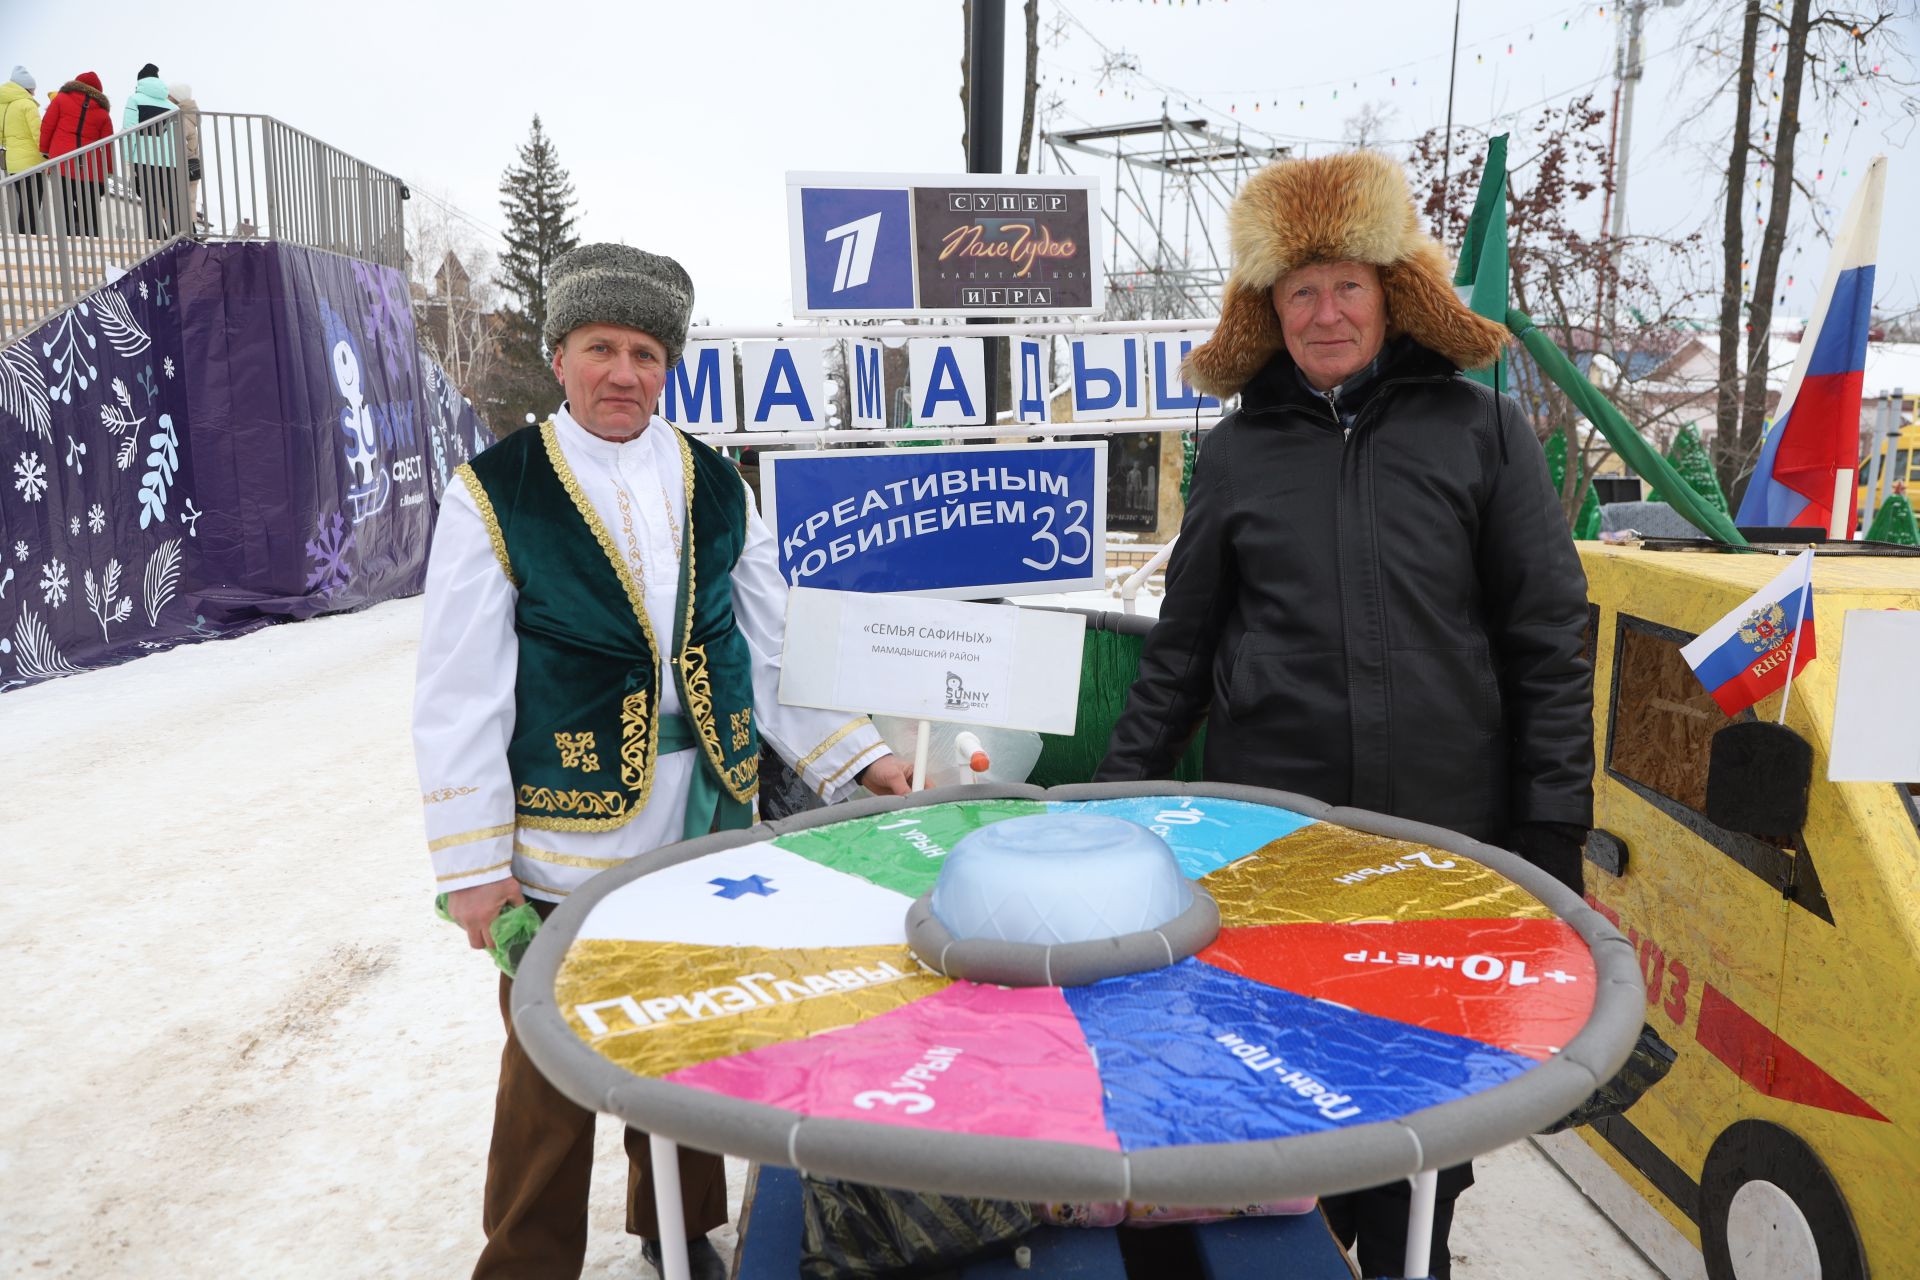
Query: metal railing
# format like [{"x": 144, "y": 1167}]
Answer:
[
  {"x": 71, "y": 224},
  {"x": 1130, "y": 589}
]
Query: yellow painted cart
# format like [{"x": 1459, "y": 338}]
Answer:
[{"x": 1786, "y": 1140}]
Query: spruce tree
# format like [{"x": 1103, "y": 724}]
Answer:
[
  {"x": 1586, "y": 527},
  {"x": 1894, "y": 523},
  {"x": 1689, "y": 458},
  {"x": 536, "y": 195}
]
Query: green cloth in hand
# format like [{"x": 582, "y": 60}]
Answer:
[{"x": 512, "y": 931}]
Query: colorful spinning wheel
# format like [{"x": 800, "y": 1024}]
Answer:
[{"x": 1382, "y": 998}]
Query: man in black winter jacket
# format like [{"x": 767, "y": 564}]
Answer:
[{"x": 1374, "y": 599}]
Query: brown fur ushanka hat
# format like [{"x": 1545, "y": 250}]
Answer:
[{"x": 1349, "y": 207}]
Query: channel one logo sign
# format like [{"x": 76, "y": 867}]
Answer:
[
  {"x": 944, "y": 245},
  {"x": 857, "y": 249}
]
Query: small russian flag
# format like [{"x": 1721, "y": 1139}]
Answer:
[
  {"x": 1804, "y": 476},
  {"x": 1762, "y": 644}
]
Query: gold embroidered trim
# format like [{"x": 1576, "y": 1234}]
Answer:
[
  {"x": 489, "y": 519},
  {"x": 446, "y": 793},
  {"x": 544, "y": 888},
  {"x": 469, "y": 837},
  {"x": 740, "y": 725},
  {"x": 828, "y": 745},
  {"x": 598, "y": 805},
  {"x": 828, "y": 785},
  {"x": 693, "y": 664},
  {"x": 743, "y": 779},
  {"x": 477, "y": 871},
  {"x": 686, "y": 473},
  {"x": 577, "y": 751},
  {"x": 636, "y": 562},
  {"x": 633, "y": 738},
  {"x": 567, "y": 859},
  {"x": 550, "y": 438}
]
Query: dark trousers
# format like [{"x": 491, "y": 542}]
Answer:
[
  {"x": 83, "y": 205},
  {"x": 541, "y": 1163},
  {"x": 154, "y": 182},
  {"x": 27, "y": 194},
  {"x": 1377, "y": 1218}
]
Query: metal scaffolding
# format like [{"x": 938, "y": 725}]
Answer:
[{"x": 1166, "y": 211}]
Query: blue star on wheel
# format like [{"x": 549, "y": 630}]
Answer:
[{"x": 732, "y": 889}]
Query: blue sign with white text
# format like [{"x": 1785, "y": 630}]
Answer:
[
  {"x": 859, "y": 249},
  {"x": 968, "y": 522}
]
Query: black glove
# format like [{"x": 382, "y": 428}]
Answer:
[{"x": 1554, "y": 847}]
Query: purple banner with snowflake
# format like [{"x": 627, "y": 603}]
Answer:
[{"x": 227, "y": 436}]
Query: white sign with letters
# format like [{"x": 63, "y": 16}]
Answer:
[
  {"x": 1172, "y": 394},
  {"x": 699, "y": 393},
  {"x": 1030, "y": 390},
  {"x": 785, "y": 385},
  {"x": 949, "y": 381},
  {"x": 1107, "y": 382},
  {"x": 867, "y": 383},
  {"x": 929, "y": 659}
]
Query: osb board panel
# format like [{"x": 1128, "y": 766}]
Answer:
[{"x": 1664, "y": 721}]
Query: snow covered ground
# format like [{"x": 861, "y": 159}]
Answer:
[{"x": 240, "y": 1042}]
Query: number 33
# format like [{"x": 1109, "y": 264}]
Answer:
[{"x": 1077, "y": 528}]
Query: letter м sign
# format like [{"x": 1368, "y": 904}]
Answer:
[{"x": 856, "y": 251}]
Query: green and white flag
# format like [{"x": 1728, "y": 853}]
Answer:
[{"x": 1481, "y": 277}]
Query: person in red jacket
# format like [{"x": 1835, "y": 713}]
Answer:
[{"x": 80, "y": 114}]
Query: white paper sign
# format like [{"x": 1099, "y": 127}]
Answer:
[
  {"x": 1876, "y": 713},
  {"x": 924, "y": 658},
  {"x": 927, "y": 659}
]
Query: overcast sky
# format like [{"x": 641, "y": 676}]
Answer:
[{"x": 678, "y": 121}]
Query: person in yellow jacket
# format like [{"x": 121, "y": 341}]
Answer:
[{"x": 20, "y": 135}]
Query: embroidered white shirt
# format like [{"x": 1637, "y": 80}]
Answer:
[{"x": 463, "y": 693}]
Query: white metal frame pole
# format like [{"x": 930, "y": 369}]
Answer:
[
  {"x": 668, "y": 1212},
  {"x": 920, "y": 746},
  {"x": 1419, "y": 1254}
]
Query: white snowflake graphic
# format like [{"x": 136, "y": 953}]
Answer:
[
  {"x": 73, "y": 526},
  {"x": 328, "y": 552},
  {"x": 19, "y": 551},
  {"x": 33, "y": 476},
  {"x": 53, "y": 582},
  {"x": 166, "y": 366},
  {"x": 96, "y": 517},
  {"x": 143, "y": 290}
]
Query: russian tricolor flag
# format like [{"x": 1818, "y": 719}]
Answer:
[
  {"x": 1805, "y": 473},
  {"x": 1760, "y": 645}
]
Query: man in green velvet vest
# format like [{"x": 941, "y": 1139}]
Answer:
[{"x": 599, "y": 665}]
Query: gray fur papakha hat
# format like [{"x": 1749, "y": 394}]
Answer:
[{"x": 619, "y": 284}]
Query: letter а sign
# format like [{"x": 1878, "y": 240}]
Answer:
[{"x": 949, "y": 381}]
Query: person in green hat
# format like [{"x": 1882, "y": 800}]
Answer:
[{"x": 599, "y": 664}]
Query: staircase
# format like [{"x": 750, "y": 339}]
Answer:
[{"x": 33, "y": 286}]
